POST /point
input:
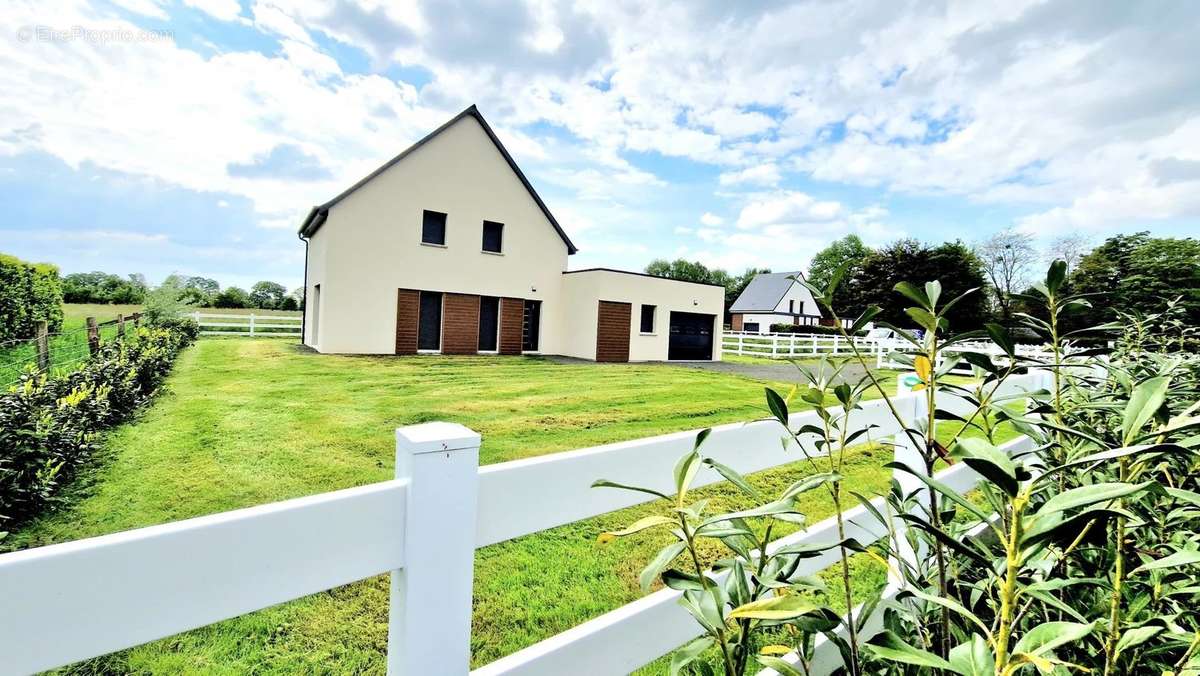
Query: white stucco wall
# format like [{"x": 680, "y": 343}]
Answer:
[
  {"x": 314, "y": 276},
  {"x": 585, "y": 289},
  {"x": 799, "y": 294},
  {"x": 765, "y": 320},
  {"x": 372, "y": 243}
]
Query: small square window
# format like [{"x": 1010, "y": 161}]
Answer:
[
  {"x": 433, "y": 228},
  {"x": 493, "y": 234},
  {"x": 648, "y": 318}
]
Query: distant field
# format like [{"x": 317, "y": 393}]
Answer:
[{"x": 69, "y": 346}]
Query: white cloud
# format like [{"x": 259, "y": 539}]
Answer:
[
  {"x": 1084, "y": 122},
  {"x": 225, "y": 10},
  {"x": 681, "y": 230},
  {"x": 762, "y": 174},
  {"x": 710, "y": 219},
  {"x": 787, "y": 207},
  {"x": 149, "y": 8}
]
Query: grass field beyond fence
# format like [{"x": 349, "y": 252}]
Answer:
[
  {"x": 248, "y": 422},
  {"x": 69, "y": 346}
]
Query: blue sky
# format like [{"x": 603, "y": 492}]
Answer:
[{"x": 191, "y": 136}]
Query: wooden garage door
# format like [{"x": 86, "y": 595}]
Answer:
[{"x": 613, "y": 322}]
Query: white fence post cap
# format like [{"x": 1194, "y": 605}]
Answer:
[{"x": 435, "y": 437}]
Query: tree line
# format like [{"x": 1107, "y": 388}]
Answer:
[
  {"x": 1124, "y": 273},
  {"x": 106, "y": 288}
]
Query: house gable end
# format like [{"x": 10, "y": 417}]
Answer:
[{"x": 319, "y": 214}]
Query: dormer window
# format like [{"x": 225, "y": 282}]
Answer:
[
  {"x": 433, "y": 228},
  {"x": 493, "y": 236}
]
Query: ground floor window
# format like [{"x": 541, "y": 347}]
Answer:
[
  {"x": 648, "y": 318},
  {"x": 489, "y": 323},
  {"x": 532, "y": 325},
  {"x": 750, "y": 327},
  {"x": 429, "y": 322}
]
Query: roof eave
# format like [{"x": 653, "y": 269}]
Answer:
[{"x": 319, "y": 214}]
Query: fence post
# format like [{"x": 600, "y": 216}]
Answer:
[
  {"x": 911, "y": 406},
  {"x": 93, "y": 336},
  {"x": 120, "y": 326},
  {"x": 429, "y": 628},
  {"x": 43, "y": 346},
  {"x": 252, "y": 323}
]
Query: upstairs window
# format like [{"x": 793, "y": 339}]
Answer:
[
  {"x": 648, "y": 318},
  {"x": 791, "y": 307},
  {"x": 493, "y": 235},
  {"x": 433, "y": 228}
]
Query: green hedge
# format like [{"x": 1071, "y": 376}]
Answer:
[
  {"x": 50, "y": 426},
  {"x": 818, "y": 330},
  {"x": 29, "y": 293}
]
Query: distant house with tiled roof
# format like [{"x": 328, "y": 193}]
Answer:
[{"x": 774, "y": 298}]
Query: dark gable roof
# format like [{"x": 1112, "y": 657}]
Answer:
[
  {"x": 764, "y": 292},
  {"x": 316, "y": 217}
]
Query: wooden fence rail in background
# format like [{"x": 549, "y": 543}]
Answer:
[{"x": 68, "y": 602}]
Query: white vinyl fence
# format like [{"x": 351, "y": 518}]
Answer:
[
  {"x": 886, "y": 359},
  {"x": 263, "y": 326},
  {"x": 782, "y": 345},
  {"x": 884, "y": 350},
  {"x": 68, "y": 602}
]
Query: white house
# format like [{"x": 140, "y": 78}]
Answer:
[
  {"x": 447, "y": 248},
  {"x": 774, "y": 298}
]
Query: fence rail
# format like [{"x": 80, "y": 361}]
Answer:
[
  {"x": 68, "y": 602},
  {"x": 60, "y": 350},
  {"x": 884, "y": 350},
  {"x": 782, "y": 345},
  {"x": 249, "y": 325}
]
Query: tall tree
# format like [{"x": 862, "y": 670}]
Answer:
[
  {"x": 1007, "y": 258},
  {"x": 1140, "y": 272},
  {"x": 849, "y": 251},
  {"x": 693, "y": 271},
  {"x": 1069, "y": 248},
  {"x": 201, "y": 290},
  {"x": 951, "y": 263},
  {"x": 267, "y": 295}
]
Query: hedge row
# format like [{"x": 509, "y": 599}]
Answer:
[
  {"x": 50, "y": 425},
  {"x": 29, "y": 293},
  {"x": 799, "y": 328}
]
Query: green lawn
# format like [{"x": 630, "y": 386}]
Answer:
[
  {"x": 252, "y": 421},
  {"x": 69, "y": 347}
]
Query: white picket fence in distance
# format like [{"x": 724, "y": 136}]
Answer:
[
  {"x": 68, "y": 602},
  {"x": 884, "y": 350},
  {"x": 784, "y": 345},
  {"x": 263, "y": 326}
]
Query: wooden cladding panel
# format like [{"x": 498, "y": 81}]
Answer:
[
  {"x": 512, "y": 316},
  {"x": 613, "y": 322},
  {"x": 408, "y": 302},
  {"x": 460, "y": 324},
  {"x": 737, "y": 323}
]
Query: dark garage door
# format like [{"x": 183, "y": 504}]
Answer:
[{"x": 691, "y": 336}]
